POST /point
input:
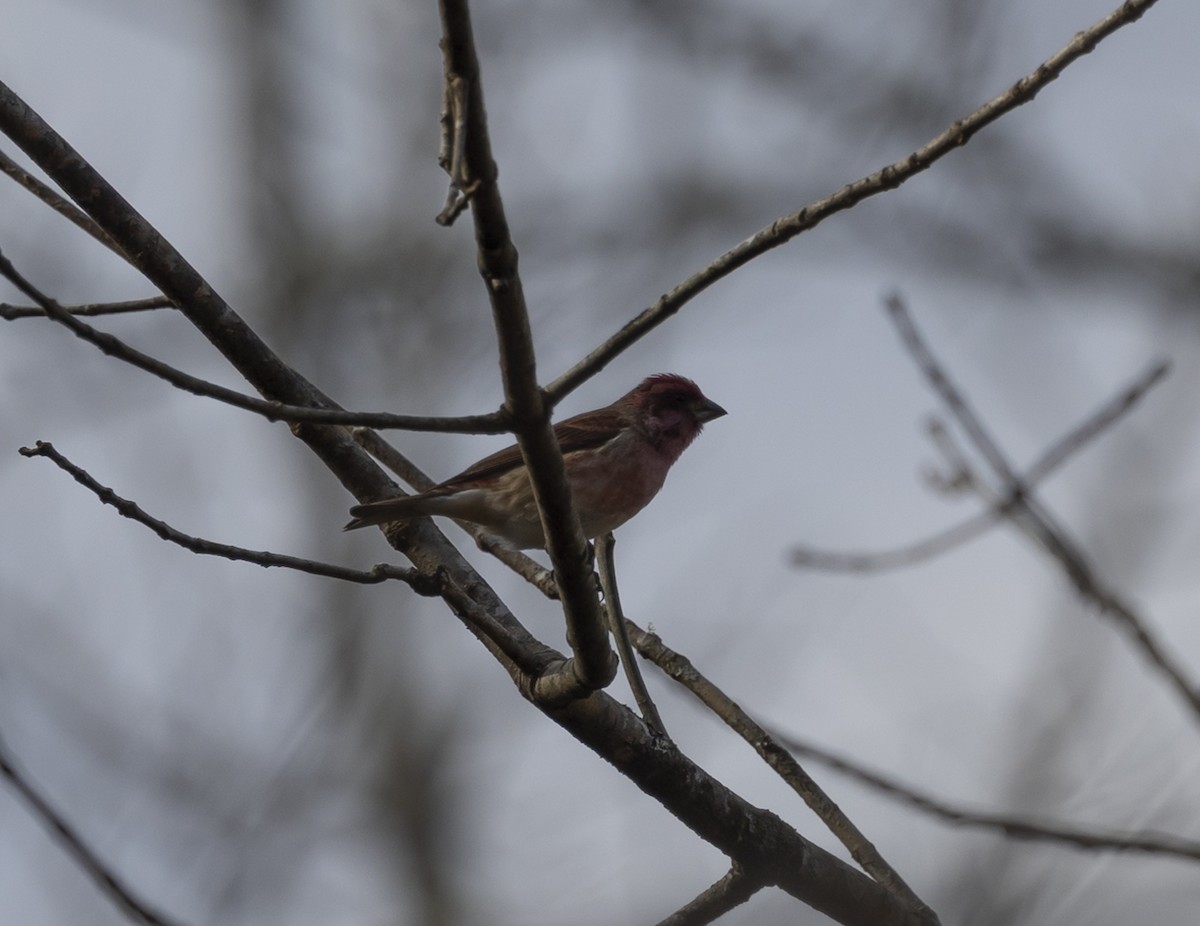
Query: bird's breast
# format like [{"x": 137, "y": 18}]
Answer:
[{"x": 612, "y": 483}]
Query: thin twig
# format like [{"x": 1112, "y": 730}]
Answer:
[
  {"x": 788, "y": 227},
  {"x": 1014, "y": 826},
  {"x": 605, "y": 546},
  {"x": 421, "y": 583},
  {"x": 96, "y": 868},
  {"x": 951, "y": 395},
  {"x": 12, "y": 312},
  {"x": 863, "y": 851},
  {"x": 59, "y": 204},
  {"x": 908, "y": 555},
  {"x": 452, "y": 152},
  {"x": 1100, "y": 422},
  {"x": 977, "y": 525},
  {"x": 493, "y": 423},
  {"x": 731, "y": 891},
  {"x": 1027, "y": 512}
]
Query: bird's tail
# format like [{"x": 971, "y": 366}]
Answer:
[{"x": 385, "y": 511}]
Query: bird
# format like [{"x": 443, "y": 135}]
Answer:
[{"x": 616, "y": 459}]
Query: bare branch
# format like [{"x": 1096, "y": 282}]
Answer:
[
  {"x": 1103, "y": 419},
  {"x": 768, "y": 850},
  {"x": 421, "y": 583},
  {"x": 12, "y": 312},
  {"x": 780, "y": 760},
  {"x": 963, "y": 532},
  {"x": 493, "y": 423},
  {"x": 908, "y": 555},
  {"x": 594, "y": 664},
  {"x": 731, "y": 891},
  {"x": 1013, "y": 826},
  {"x": 1028, "y": 513},
  {"x": 452, "y": 156},
  {"x": 616, "y": 623},
  {"x": 56, "y": 202},
  {"x": 951, "y": 395},
  {"x": 786, "y": 228},
  {"x": 117, "y": 891}
]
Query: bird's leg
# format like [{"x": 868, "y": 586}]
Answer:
[{"x": 616, "y": 623}]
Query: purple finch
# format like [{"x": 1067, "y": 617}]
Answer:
[{"x": 616, "y": 460}]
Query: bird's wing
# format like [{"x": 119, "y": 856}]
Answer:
[{"x": 582, "y": 432}]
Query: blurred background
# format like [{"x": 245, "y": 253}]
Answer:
[{"x": 254, "y": 747}]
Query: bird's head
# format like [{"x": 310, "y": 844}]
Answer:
[{"x": 671, "y": 410}]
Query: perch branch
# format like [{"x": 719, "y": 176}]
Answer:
[{"x": 593, "y": 664}]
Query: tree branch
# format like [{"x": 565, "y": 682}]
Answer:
[
  {"x": 420, "y": 583},
  {"x": 786, "y": 228},
  {"x": 861, "y": 849},
  {"x": 731, "y": 891},
  {"x": 594, "y": 664},
  {"x": 616, "y": 624},
  {"x": 52, "y": 199},
  {"x": 963, "y": 532},
  {"x": 766, "y": 848},
  {"x": 1027, "y": 512},
  {"x": 1013, "y": 826},
  {"x": 13, "y": 312},
  {"x": 110, "y": 884},
  {"x": 493, "y": 423}
]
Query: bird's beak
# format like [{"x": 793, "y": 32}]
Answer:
[{"x": 707, "y": 410}]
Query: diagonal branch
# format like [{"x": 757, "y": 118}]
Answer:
[
  {"x": 787, "y": 227},
  {"x": 56, "y": 202},
  {"x": 420, "y": 583},
  {"x": 1028, "y": 513},
  {"x": 1013, "y": 826},
  {"x": 777, "y": 757},
  {"x": 594, "y": 664},
  {"x": 731, "y": 891},
  {"x": 493, "y": 423},
  {"x": 96, "y": 868},
  {"x": 963, "y": 532}
]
